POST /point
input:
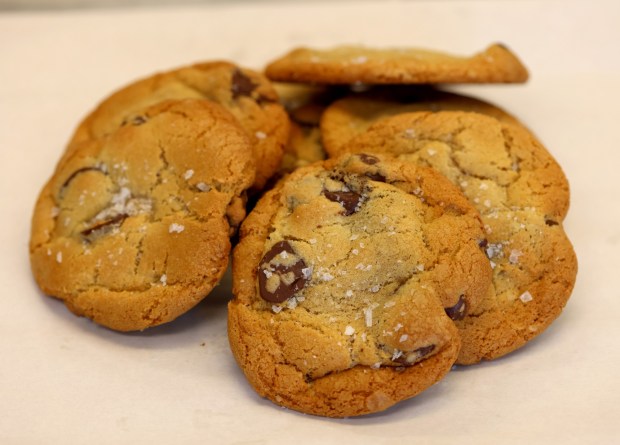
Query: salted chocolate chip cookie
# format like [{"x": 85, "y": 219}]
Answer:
[
  {"x": 522, "y": 196},
  {"x": 357, "y": 64},
  {"x": 133, "y": 228},
  {"x": 347, "y": 117},
  {"x": 347, "y": 278},
  {"x": 248, "y": 95}
]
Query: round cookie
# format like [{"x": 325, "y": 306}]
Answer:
[
  {"x": 522, "y": 196},
  {"x": 346, "y": 277},
  {"x": 133, "y": 228},
  {"x": 248, "y": 95},
  {"x": 358, "y": 64},
  {"x": 346, "y": 118}
]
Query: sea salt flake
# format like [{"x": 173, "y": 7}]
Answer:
[
  {"x": 376, "y": 365},
  {"x": 431, "y": 152},
  {"x": 355, "y": 251},
  {"x": 389, "y": 304},
  {"x": 420, "y": 267},
  {"x": 354, "y": 237},
  {"x": 307, "y": 272},
  {"x": 163, "y": 279},
  {"x": 397, "y": 353},
  {"x": 487, "y": 203},
  {"x": 176, "y": 228},
  {"x": 291, "y": 303},
  {"x": 514, "y": 256},
  {"x": 526, "y": 297},
  {"x": 348, "y": 293},
  {"x": 368, "y": 316},
  {"x": 375, "y": 288},
  {"x": 59, "y": 257},
  {"x": 203, "y": 187},
  {"x": 403, "y": 338},
  {"x": 276, "y": 309},
  {"x": 312, "y": 240},
  {"x": 284, "y": 254},
  {"x": 349, "y": 330},
  {"x": 260, "y": 135},
  {"x": 409, "y": 133},
  {"x": 398, "y": 327},
  {"x": 54, "y": 212},
  {"x": 484, "y": 186}
]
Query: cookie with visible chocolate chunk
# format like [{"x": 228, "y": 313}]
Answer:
[
  {"x": 347, "y": 117},
  {"x": 133, "y": 228},
  {"x": 346, "y": 280},
  {"x": 358, "y": 64},
  {"x": 248, "y": 95},
  {"x": 522, "y": 196}
]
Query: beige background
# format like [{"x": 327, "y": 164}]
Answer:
[{"x": 65, "y": 380}]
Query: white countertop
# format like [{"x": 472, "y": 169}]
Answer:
[{"x": 66, "y": 380}]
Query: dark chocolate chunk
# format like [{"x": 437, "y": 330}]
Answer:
[
  {"x": 241, "y": 85},
  {"x": 77, "y": 172},
  {"x": 551, "y": 222},
  {"x": 375, "y": 177},
  {"x": 483, "y": 243},
  {"x": 116, "y": 220},
  {"x": 368, "y": 159},
  {"x": 457, "y": 312},
  {"x": 411, "y": 358},
  {"x": 349, "y": 200},
  {"x": 291, "y": 276}
]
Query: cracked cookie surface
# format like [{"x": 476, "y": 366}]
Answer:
[
  {"x": 248, "y": 95},
  {"x": 133, "y": 228},
  {"x": 522, "y": 196},
  {"x": 346, "y": 277},
  {"x": 358, "y": 64},
  {"x": 347, "y": 117}
]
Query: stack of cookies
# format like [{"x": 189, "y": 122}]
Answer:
[{"x": 395, "y": 229}]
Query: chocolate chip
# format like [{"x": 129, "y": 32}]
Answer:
[
  {"x": 375, "y": 177},
  {"x": 116, "y": 220},
  {"x": 551, "y": 222},
  {"x": 281, "y": 273},
  {"x": 241, "y": 84},
  {"x": 457, "y": 312},
  {"x": 77, "y": 172},
  {"x": 368, "y": 159},
  {"x": 349, "y": 200},
  {"x": 483, "y": 243},
  {"x": 411, "y": 358}
]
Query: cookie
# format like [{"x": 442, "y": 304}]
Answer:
[
  {"x": 248, "y": 95},
  {"x": 346, "y": 280},
  {"x": 350, "y": 116},
  {"x": 522, "y": 196},
  {"x": 133, "y": 228},
  {"x": 358, "y": 64}
]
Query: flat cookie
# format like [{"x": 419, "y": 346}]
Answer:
[
  {"x": 133, "y": 228},
  {"x": 346, "y": 277},
  {"x": 346, "y": 118},
  {"x": 248, "y": 95},
  {"x": 522, "y": 196},
  {"x": 357, "y": 64}
]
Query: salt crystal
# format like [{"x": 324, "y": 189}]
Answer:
[
  {"x": 526, "y": 297},
  {"x": 487, "y": 203},
  {"x": 514, "y": 256},
  {"x": 389, "y": 304},
  {"x": 59, "y": 257},
  {"x": 260, "y": 135},
  {"x": 349, "y": 330},
  {"x": 484, "y": 186},
  {"x": 354, "y": 237},
  {"x": 420, "y": 267},
  {"x": 376, "y": 365},
  {"x": 375, "y": 288},
  {"x": 368, "y": 316},
  {"x": 403, "y": 338},
  {"x": 276, "y": 309},
  {"x": 307, "y": 271},
  {"x": 291, "y": 303},
  {"x": 409, "y": 133},
  {"x": 176, "y": 228},
  {"x": 312, "y": 240},
  {"x": 348, "y": 293},
  {"x": 355, "y": 251},
  {"x": 397, "y": 354},
  {"x": 163, "y": 279},
  {"x": 284, "y": 254},
  {"x": 203, "y": 187},
  {"x": 431, "y": 152}
]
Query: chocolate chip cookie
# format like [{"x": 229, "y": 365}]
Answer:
[
  {"x": 133, "y": 228},
  {"x": 357, "y": 64},
  {"x": 352, "y": 115},
  {"x": 248, "y": 95},
  {"x": 522, "y": 196},
  {"x": 347, "y": 278}
]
